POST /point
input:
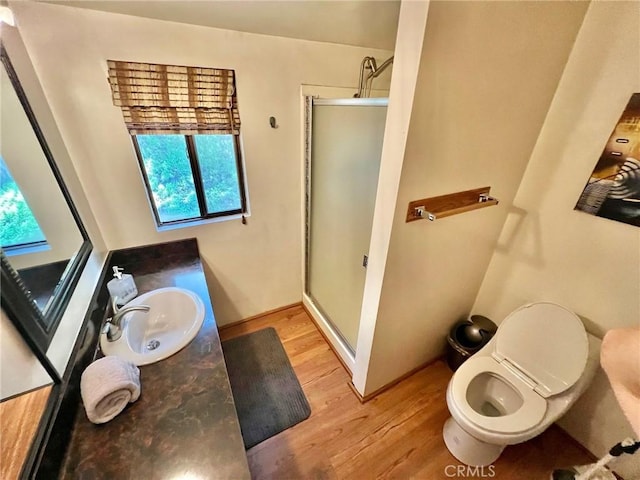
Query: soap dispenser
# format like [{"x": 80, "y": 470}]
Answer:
[{"x": 122, "y": 287}]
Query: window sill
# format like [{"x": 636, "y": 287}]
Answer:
[
  {"x": 27, "y": 250},
  {"x": 199, "y": 222}
]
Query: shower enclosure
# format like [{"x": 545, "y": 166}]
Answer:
[{"x": 343, "y": 143}]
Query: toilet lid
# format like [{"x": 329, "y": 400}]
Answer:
[{"x": 546, "y": 342}]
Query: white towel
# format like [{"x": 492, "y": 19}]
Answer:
[{"x": 107, "y": 386}]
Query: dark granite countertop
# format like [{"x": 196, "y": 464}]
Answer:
[{"x": 184, "y": 426}]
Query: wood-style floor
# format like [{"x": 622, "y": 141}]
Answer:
[
  {"x": 19, "y": 419},
  {"x": 398, "y": 434}
]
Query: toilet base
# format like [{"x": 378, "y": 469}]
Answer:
[{"x": 468, "y": 449}]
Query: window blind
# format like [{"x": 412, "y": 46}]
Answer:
[{"x": 157, "y": 99}]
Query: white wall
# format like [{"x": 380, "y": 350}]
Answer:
[
  {"x": 411, "y": 26},
  {"x": 549, "y": 251},
  {"x": 251, "y": 268},
  {"x": 487, "y": 75}
]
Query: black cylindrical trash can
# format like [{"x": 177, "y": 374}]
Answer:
[{"x": 466, "y": 337}]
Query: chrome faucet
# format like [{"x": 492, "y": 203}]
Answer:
[{"x": 112, "y": 327}]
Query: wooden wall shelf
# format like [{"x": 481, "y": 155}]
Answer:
[{"x": 446, "y": 205}]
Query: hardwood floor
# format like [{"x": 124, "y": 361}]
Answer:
[
  {"x": 398, "y": 434},
  {"x": 19, "y": 419}
]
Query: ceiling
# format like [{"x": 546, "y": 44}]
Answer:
[{"x": 365, "y": 23}]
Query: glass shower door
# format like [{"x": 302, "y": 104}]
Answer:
[{"x": 346, "y": 145}]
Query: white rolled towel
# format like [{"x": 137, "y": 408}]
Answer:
[{"x": 107, "y": 386}]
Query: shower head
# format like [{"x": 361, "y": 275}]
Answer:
[
  {"x": 369, "y": 63},
  {"x": 378, "y": 70}
]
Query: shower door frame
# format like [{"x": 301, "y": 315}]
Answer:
[{"x": 328, "y": 329}]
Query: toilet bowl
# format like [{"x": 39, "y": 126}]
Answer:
[{"x": 529, "y": 374}]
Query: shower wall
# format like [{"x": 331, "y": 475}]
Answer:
[{"x": 346, "y": 142}]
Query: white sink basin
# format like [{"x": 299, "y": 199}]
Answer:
[{"x": 174, "y": 319}]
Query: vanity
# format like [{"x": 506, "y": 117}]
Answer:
[{"x": 184, "y": 424}]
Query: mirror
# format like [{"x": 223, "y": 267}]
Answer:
[{"x": 44, "y": 244}]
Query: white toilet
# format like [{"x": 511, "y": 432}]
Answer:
[{"x": 529, "y": 374}]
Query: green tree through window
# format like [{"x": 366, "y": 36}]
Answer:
[
  {"x": 191, "y": 176},
  {"x": 18, "y": 225}
]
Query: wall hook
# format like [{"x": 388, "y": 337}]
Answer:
[{"x": 272, "y": 122}]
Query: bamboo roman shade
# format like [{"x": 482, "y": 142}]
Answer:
[{"x": 158, "y": 99}]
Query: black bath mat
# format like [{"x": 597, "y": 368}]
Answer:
[{"x": 265, "y": 388}]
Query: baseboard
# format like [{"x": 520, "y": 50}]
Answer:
[
  {"x": 393, "y": 383},
  {"x": 356, "y": 392},
  {"x": 326, "y": 339},
  {"x": 260, "y": 315},
  {"x": 280, "y": 309},
  {"x": 582, "y": 447},
  {"x": 336, "y": 344},
  {"x": 587, "y": 452},
  {"x": 361, "y": 398}
]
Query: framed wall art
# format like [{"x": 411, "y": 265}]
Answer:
[{"x": 613, "y": 190}]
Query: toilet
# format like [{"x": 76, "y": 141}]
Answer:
[{"x": 535, "y": 367}]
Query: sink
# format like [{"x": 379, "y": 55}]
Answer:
[{"x": 174, "y": 319}]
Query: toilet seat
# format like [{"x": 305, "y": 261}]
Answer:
[
  {"x": 526, "y": 417},
  {"x": 541, "y": 350}
]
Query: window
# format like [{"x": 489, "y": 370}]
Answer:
[
  {"x": 191, "y": 176},
  {"x": 18, "y": 225},
  {"x": 185, "y": 126}
]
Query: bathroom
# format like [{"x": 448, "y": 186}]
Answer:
[{"x": 518, "y": 96}]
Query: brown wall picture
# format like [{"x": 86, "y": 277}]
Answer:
[{"x": 613, "y": 190}]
